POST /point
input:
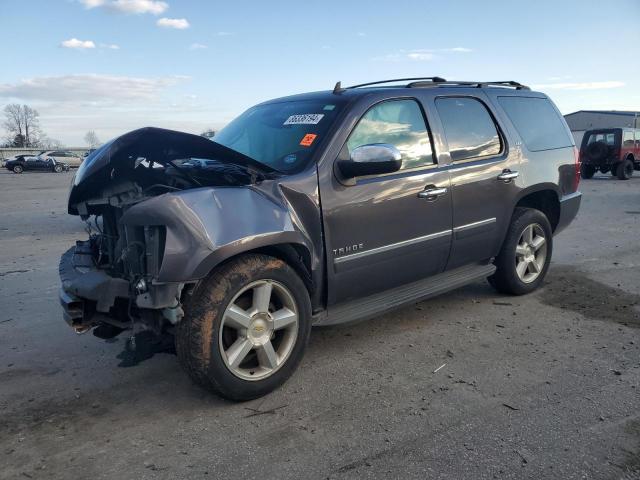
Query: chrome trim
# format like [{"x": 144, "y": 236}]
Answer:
[
  {"x": 392, "y": 246},
  {"x": 469, "y": 226}
]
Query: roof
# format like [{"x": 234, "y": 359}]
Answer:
[
  {"x": 626, "y": 113},
  {"x": 349, "y": 93}
]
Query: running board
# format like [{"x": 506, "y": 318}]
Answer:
[{"x": 411, "y": 293}]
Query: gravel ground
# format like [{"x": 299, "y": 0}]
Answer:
[{"x": 541, "y": 386}]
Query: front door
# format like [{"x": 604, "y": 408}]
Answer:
[
  {"x": 32, "y": 163},
  {"x": 383, "y": 231}
]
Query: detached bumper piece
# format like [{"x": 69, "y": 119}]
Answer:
[{"x": 90, "y": 296}]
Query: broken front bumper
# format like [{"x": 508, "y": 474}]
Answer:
[{"x": 90, "y": 296}]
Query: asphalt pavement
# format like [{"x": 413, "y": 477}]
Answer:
[{"x": 470, "y": 385}]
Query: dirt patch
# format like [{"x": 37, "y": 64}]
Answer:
[
  {"x": 570, "y": 289},
  {"x": 51, "y": 415}
]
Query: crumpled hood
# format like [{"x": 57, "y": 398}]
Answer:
[{"x": 121, "y": 155}]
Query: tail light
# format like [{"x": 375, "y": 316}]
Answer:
[{"x": 577, "y": 164}]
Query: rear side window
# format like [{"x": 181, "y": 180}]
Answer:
[
  {"x": 608, "y": 138},
  {"x": 537, "y": 122},
  {"x": 468, "y": 127},
  {"x": 399, "y": 123}
]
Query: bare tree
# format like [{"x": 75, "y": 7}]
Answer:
[
  {"x": 21, "y": 121},
  {"x": 92, "y": 139},
  {"x": 49, "y": 143}
]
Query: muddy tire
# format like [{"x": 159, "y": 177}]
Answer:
[
  {"x": 18, "y": 169},
  {"x": 587, "y": 171},
  {"x": 245, "y": 327},
  {"x": 614, "y": 169},
  {"x": 525, "y": 255},
  {"x": 625, "y": 170}
]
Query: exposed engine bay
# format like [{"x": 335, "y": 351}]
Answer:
[{"x": 112, "y": 279}]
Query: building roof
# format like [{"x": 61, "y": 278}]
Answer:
[{"x": 608, "y": 112}]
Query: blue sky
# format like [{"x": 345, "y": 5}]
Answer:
[{"x": 115, "y": 65}]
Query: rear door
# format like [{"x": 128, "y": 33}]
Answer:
[
  {"x": 483, "y": 175},
  {"x": 380, "y": 232}
]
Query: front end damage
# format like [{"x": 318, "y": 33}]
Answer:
[
  {"x": 140, "y": 196},
  {"x": 110, "y": 280}
]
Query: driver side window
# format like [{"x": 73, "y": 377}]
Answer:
[{"x": 399, "y": 123}]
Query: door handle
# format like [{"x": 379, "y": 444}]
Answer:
[
  {"x": 507, "y": 175},
  {"x": 432, "y": 193}
]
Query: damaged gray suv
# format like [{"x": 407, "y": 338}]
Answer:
[{"x": 316, "y": 209}]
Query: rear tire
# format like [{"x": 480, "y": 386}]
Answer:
[
  {"x": 525, "y": 255},
  {"x": 58, "y": 169},
  {"x": 222, "y": 340},
  {"x": 625, "y": 170},
  {"x": 587, "y": 171},
  {"x": 18, "y": 169}
]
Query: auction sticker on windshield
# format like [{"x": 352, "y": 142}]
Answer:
[
  {"x": 308, "y": 139},
  {"x": 304, "y": 119}
]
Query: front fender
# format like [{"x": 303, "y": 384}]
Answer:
[{"x": 205, "y": 226}]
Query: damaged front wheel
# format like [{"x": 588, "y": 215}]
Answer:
[{"x": 245, "y": 328}]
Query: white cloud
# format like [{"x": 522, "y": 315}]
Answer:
[
  {"x": 420, "y": 55},
  {"x": 361, "y": 34},
  {"x": 580, "y": 85},
  {"x": 154, "y": 7},
  {"x": 110, "y": 46},
  {"x": 78, "y": 44},
  {"x": 177, "y": 23},
  {"x": 197, "y": 46},
  {"x": 92, "y": 3},
  {"x": 88, "y": 88},
  {"x": 224, "y": 34}
]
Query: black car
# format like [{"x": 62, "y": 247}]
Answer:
[
  {"x": 27, "y": 162},
  {"x": 320, "y": 208}
]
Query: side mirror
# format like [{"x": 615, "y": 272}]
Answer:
[{"x": 372, "y": 159}]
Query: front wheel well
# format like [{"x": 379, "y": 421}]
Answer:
[
  {"x": 546, "y": 201},
  {"x": 294, "y": 255}
]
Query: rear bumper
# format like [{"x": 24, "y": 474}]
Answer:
[
  {"x": 569, "y": 206},
  {"x": 600, "y": 162}
]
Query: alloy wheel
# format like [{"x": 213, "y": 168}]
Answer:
[
  {"x": 531, "y": 253},
  {"x": 258, "y": 330}
]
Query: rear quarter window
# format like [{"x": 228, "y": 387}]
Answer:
[{"x": 537, "y": 122}]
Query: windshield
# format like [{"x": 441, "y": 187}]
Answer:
[{"x": 283, "y": 135}]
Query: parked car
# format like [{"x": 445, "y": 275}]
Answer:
[
  {"x": 63, "y": 156},
  {"x": 319, "y": 208},
  {"x": 615, "y": 150},
  {"x": 14, "y": 157},
  {"x": 23, "y": 163}
]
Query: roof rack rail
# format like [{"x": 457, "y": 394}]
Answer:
[
  {"x": 453, "y": 83},
  {"x": 432, "y": 79}
]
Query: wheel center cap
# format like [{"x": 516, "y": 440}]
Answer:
[{"x": 259, "y": 331}]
